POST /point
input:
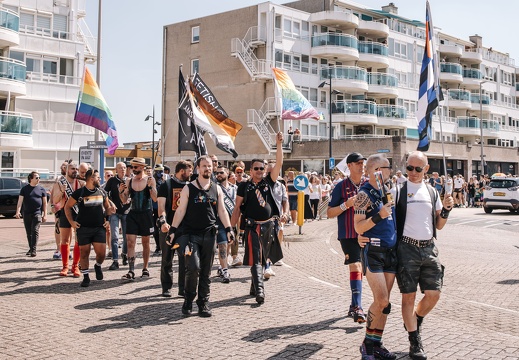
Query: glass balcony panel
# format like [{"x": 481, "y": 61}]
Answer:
[
  {"x": 15, "y": 124},
  {"x": 451, "y": 68},
  {"x": 330, "y": 39},
  {"x": 344, "y": 72},
  {"x": 351, "y": 107},
  {"x": 485, "y": 99},
  {"x": 382, "y": 79},
  {"x": 472, "y": 74},
  {"x": 12, "y": 69},
  {"x": 391, "y": 111},
  {"x": 9, "y": 20},
  {"x": 462, "y": 95},
  {"x": 368, "y": 47}
]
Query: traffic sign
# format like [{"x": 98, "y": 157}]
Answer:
[
  {"x": 300, "y": 182},
  {"x": 332, "y": 163},
  {"x": 383, "y": 150},
  {"x": 86, "y": 155},
  {"x": 97, "y": 144}
]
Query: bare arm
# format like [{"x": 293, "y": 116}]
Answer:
[
  {"x": 276, "y": 170},
  {"x": 337, "y": 210},
  {"x": 448, "y": 203},
  {"x": 44, "y": 207},
  {"x": 162, "y": 213},
  {"x": 182, "y": 207},
  {"x": 361, "y": 206},
  {"x": 19, "y": 207},
  {"x": 124, "y": 191},
  {"x": 152, "y": 184},
  {"x": 222, "y": 212},
  {"x": 56, "y": 193},
  {"x": 236, "y": 213},
  {"x": 68, "y": 212}
]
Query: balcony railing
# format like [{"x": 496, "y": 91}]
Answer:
[
  {"x": 368, "y": 47},
  {"x": 474, "y": 98},
  {"x": 12, "y": 69},
  {"x": 391, "y": 111},
  {"x": 344, "y": 72},
  {"x": 472, "y": 74},
  {"x": 352, "y": 107},
  {"x": 39, "y": 31},
  {"x": 9, "y": 20},
  {"x": 330, "y": 39},
  {"x": 451, "y": 68},
  {"x": 462, "y": 95},
  {"x": 473, "y": 123},
  {"x": 15, "y": 123},
  {"x": 382, "y": 79}
]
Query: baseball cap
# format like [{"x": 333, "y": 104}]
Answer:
[
  {"x": 159, "y": 167},
  {"x": 238, "y": 169},
  {"x": 354, "y": 157}
]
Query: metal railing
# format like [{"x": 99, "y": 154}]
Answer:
[
  {"x": 12, "y": 69},
  {"x": 255, "y": 66},
  {"x": 472, "y": 74},
  {"x": 344, "y": 72},
  {"x": 391, "y": 111},
  {"x": 474, "y": 98},
  {"x": 353, "y": 107},
  {"x": 369, "y": 47},
  {"x": 53, "y": 78},
  {"x": 474, "y": 123},
  {"x": 332, "y": 39},
  {"x": 84, "y": 35},
  {"x": 62, "y": 127},
  {"x": 15, "y": 123},
  {"x": 9, "y": 20},
  {"x": 266, "y": 133},
  {"x": 451, "y": 68},
  {"x": 375, "y": 78},
  {"x": 255, "y": 34},
  {"x": 462, "y": 95},
  {"x": 45, "y": 32}
]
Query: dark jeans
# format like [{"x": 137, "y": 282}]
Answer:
[
  {"x": 166, "y": 265},
  {"x": 32, "y": 229},
  {"x": 156, "y": 230},
  {"x": 314, "y": 203},
  {"x": 114, "y": 228},
  {"x": 198, "y": 266}
]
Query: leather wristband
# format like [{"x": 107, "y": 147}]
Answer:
[
  {"x": 444, "y": 214},
  {"x": 228, "y": 229},
  {"x": 161, "y": 220},
  {"x": 376, "y": 218},
  {"x": 172, "y": 230}
]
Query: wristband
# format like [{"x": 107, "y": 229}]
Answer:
[
  {"x": 161, "y": 220},
  {"x": 121, "y": 192},
  {"x": 172, "y": 230},
  {"x": 228, "y": 229},
  {"x": 343, "y": 206},
  {"x": 444, "y": 214},
  {"x": 376, "y": 218}
]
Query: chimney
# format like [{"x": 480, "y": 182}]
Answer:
[
  {"x": 477, "y": 40},
  {"x": 391, "y": 8}
]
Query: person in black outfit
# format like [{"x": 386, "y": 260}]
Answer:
[
  {"x": 168, "y": 200},
  {"x": 201, "y": 201},
  {"x": 90, "y": 223},
  {"x": 34, "y": 200},
  {"x": 260, "y": 201},
  {"x": 158, "y": 175}
]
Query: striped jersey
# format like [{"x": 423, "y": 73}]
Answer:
[{"x": 344, "y": 190}]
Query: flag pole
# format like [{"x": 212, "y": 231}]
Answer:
[{"x": 98, "y": 80}]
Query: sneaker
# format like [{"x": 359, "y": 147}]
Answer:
[
  {"x": 145, "y": 273},
  {"x": 364, "y": 353},
  {"x": 187, "y": 307},
  {"x": 204, "y": 311},
  {"x": 166, "y": 293},
  {"x": 359, "y": 316},
  {"x": 219, "y": 272},
  {"x": 279, "y": 263},
  {"x": 351, "y": 311},
  {"x": 57, "y": 255},
  {"x": 86, "y": 281},
  {"x": 381, "y": 352},
  {"x": 125, "y": 259},
  {"x": 268, "y": 273},
  {"x": 28, "y": 253},
  {"x": 33, "y": 253},
  {"x": 226, "y": 277},
  {"x": 99, "y": 272},
  {"x": 114, "y": 266},
  {"x": 236, "y": 262}
]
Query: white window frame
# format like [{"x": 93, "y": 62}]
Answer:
[
  {"x": 195, "y": 63},
  {"x": 195, "y": 38}
]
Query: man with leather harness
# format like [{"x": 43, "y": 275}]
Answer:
[
  {"x": 201, "y": 201},
  {"x": 261, "y": 198}
]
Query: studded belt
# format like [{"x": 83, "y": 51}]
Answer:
[{"x": 419, "y": 243}]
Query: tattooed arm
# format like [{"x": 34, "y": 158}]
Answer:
[{"x": 362, "y": 204}]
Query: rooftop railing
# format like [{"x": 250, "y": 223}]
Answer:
[
  {"x": 451, "y": 68},
  {"x": 9, "y": 20},
  {"x": 369, "y": 47},
  {"x": 344, "y": 72},
  {"x": 332, "y": 39},
  {"x": 15, "y": 123}
]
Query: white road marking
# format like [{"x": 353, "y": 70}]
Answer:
[
  {"x": 492, "y": 225},
  {"x": 494, "y": 307},
  {"x": 466, "y": 222},
  {"x": 288, "y": 266},
  {"x": 334, "y": 251},
  {"x": 324, "y": 282}
]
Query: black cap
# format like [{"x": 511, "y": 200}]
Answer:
[{"x": 354, "y": 157}]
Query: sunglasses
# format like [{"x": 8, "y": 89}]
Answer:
[
  {"x": 109, "y": 175},
  {"x": 258, "y": 168},
  {"x": 239, "y": 172},
  {"x": 411, "y": 168},
  {"x": 37, "y": 178},
  {"x": 136, "y": 167},
  {"x": 220, "y": 173}
]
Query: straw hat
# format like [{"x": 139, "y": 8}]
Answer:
[{"x": 138, "y": 161}]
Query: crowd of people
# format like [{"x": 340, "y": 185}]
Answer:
[{"x": 200, "y": 212}]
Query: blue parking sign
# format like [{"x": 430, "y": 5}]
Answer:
[{"x": 332, "y": 163}]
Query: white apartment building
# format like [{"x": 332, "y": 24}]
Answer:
[
  {"x": 372, "y": 59},
  {"x": 44, "y": 46}
]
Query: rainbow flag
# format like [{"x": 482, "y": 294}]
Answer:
[
  {"x": 295, "y": 105},
  {"x": 93, "y": 111}
]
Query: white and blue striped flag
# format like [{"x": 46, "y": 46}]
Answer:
[{"x": 428, "y": 92}]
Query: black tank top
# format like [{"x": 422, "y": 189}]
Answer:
[
  {"x": 141, "y": 200},
  {"x": 201, "y": 209}
]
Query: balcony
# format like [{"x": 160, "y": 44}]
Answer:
[
  {"x": 350, "y": 79},
  {"x": 360, "y": 112},
  {"x": 471, "y": 126},
  {"x": 15, "y": 130},
  {"x": 392, "y": 115},
  {"x": 12, "y": 77},
  {"x": 339, "y": 19},
  {"x": 373, "y": 54},
  {"x": 375, "y": 28},
  {"x": 382, "y": 85},
  {"x": 343, "y": 47},
  {"x": 459, "y": 99},
  {"x": 517, "y": 88},
  {"x": 472, "y": 56},
  {"x": 485, "y": 102},
  {"x": 9, "y": 28},
  {"x": 472, "y": 78},
  {"x": 450, "y": 50},
  {"x": 451, "y": 73}
]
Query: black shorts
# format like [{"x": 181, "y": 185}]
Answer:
[
  {"x": 63, "y": 221},
  {"x": 292, "y": 202},
  {"x": 418, "y": 265},
  {"x": 457, "y": 190},
  {"x": 90, "y": 235},
  {"x": 139, "y": 223},
  {"x": 378, "y": 259},
  {"x": 351, "y": 250}
]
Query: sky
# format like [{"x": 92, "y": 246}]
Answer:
[{"x": 131, "y": 43}]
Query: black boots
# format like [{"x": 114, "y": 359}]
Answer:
[
  {"x": 416, "y": 351},
  {"x": 257, "y": 283}
]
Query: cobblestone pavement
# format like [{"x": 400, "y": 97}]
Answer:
[{"x": 47, "y": 316}]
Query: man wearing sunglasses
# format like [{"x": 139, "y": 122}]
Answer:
[
  {"x": 419, "y": 214},
  {"x": 262, "y": 206}
]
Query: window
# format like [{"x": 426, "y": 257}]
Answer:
[
  {"x": 305, "y": 65},
  {"x": 27, "y": 22},
  {"x": 305, "y": 33},
  {"x": 50, "y": 67},
  {"x": 43, "y": 25},
  {"x": 59, "y": 26},
  {"x": 17, "y": 55},
  {"x": 314, "y": 66},
  {"x": 287, "y": 28},
  {"x": 195, "y": 34},
  {"x": 195, "y": 66},
  {"x": 33, "y": 65}
]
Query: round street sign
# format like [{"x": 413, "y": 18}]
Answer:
[{"x": 300, "y": 182}]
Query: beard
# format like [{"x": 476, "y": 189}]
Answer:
[
  {"x": 206, "y": 175},
  {"x": 220, "y": 179},
  {"x": 97, "y": 183},
  {"x": 136, "y": 172}
]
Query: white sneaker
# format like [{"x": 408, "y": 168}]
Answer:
[
  {"x": 236, "y": 262},
  {"x": 219, "y": 272},
  {"x": 268, "y": 273},
  {"x": 226, "y": 278},
  {"x": 279, "y": 263}
]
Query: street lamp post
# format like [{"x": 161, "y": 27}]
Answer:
[
  {"x": 153, "y": 136},
  {"x": 481, "y": 126},
  {"x": 330, "y": 93}
]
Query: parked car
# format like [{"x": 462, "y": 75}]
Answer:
[
  {"x": 9, "y": 192},
  {"x": 501, "y": 193}
]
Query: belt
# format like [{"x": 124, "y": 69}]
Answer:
[
  {"x": 252, "y": 221},
  {"x": 419, "y": 243},
  {"x": 374, "y": 245}
]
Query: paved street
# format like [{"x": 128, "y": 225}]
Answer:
[{"x": 46, "y": 316}]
